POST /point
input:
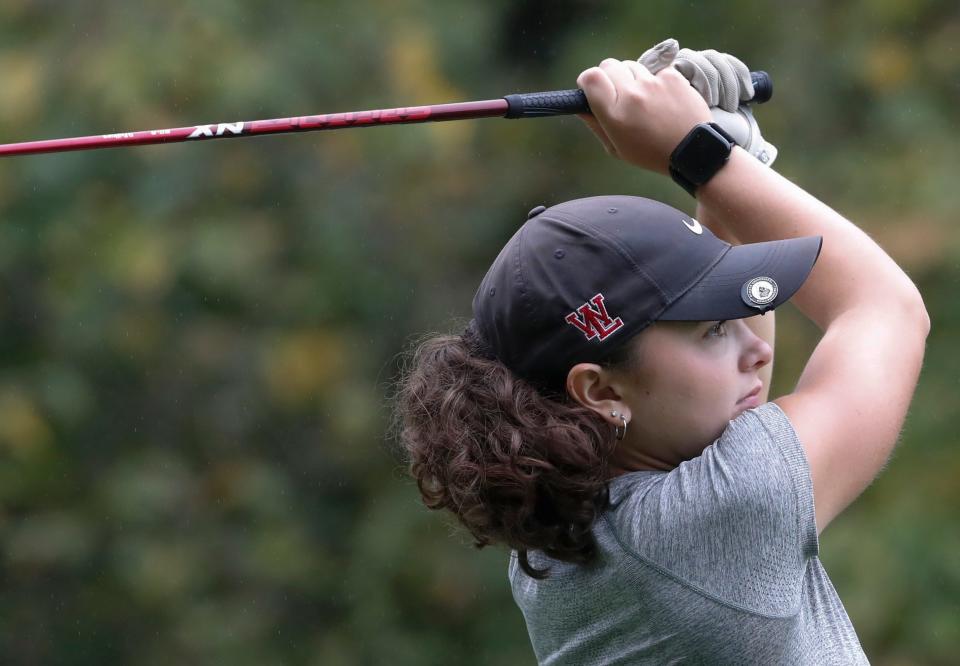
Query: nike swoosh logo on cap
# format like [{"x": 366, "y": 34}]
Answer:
[{"x": 695, "y": 227}]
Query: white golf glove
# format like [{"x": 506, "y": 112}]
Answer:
[{"x": 725, "y": 83}]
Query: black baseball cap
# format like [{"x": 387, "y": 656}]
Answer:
[{"x": 581, "y": 278}]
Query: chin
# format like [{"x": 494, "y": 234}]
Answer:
[
  {"x": 709, "y": 436},
  {"x": 720, "y": 429},
  {"x": 744, "y": 406}
]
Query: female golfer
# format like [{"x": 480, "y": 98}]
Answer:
[{"x": 605, "y": 413}]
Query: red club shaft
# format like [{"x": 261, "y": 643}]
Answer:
[
  {"x": 402, "y": 115},
  {"x": 523, "y": 105}
]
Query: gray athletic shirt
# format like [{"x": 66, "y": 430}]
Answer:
[{"x": 714, "y": 562}]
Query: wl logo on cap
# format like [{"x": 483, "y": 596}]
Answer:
[{"x": 594, "y": 322}]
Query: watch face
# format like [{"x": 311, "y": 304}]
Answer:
[{"x": 702, "y": 154}]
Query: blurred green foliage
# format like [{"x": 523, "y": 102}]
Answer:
[{"x": 198, "y": 340}]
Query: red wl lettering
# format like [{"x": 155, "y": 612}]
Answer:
[{"x": 594, "y": 322}]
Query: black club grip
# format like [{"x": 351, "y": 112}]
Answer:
[
  {"x": 555, "y": 103},
  {"x": 567, "y": 102},
  {"x": 762, "y": 87}
]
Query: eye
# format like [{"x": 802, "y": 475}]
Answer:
[{"x": 718, "y": 330}]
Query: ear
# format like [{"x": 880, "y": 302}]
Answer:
[{"x": 595, "y": 388}]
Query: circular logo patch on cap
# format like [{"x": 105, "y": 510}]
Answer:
[{"x": 759, "y": 291}]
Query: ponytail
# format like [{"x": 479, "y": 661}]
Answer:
[{"x": 518, "y": 465}]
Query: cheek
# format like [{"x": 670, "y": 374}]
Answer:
[{"x": 693, "y": 385}]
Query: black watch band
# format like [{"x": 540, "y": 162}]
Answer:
[{"x": 700, "y": 155}]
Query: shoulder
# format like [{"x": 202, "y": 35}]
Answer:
[
  {"x": 734, "y": 521},
  {"x": 758, "y": 453}
]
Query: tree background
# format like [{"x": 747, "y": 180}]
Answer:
[{"x": 198, "y": 341}]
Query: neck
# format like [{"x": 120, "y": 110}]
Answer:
[{"x": 628, "y": 459}]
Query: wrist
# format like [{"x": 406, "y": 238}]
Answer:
[
  {"x": 742, "y": 174},
  {"x": 700, "y": 155}
]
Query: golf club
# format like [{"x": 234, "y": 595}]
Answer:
[{"x": 524, "y": 105}]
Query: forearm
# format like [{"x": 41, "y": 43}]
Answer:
[{"x": 752, "y": 203}]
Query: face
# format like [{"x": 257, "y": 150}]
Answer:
[{"x": 686, "y": 381}]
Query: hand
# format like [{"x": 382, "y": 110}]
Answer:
[
  {"x": 724, "y": 82},
  {"x": 743, "y": 127},
  {"x": 640, "y": 118},
  {"x": 720, "y": 78}
]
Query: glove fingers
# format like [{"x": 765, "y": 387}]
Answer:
[
  {"x": 744, "y": 80},
  {"x": 660, "y": 56},
  {"x": 701, "y": 74},
  {"x": 728, "y": 92}
]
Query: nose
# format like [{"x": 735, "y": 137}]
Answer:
[{"x": 756, "y": 352}]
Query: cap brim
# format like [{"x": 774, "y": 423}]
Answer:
[{"x": 722, "y": 292}]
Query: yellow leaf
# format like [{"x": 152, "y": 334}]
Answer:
[
  {"x": 21, "y": 87},
  {"x": 413, "y": 69},
  {"x": 888, "y": 65},
  {"x": 23, "y": 430},
  {"x": 301, "y": 364}
]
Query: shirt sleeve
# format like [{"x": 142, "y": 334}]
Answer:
[{"x": 737, "y": 522}]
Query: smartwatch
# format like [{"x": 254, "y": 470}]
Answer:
[{"x": 700, "y": 155}]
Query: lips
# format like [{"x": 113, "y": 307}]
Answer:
[{"x": 753, "y": 393}]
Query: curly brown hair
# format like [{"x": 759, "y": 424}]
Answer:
[{"x": 517, "y": 464}]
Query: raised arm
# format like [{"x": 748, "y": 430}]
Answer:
[
  {"x": 852, "y": 398},
  {"x": 850, "y": 403}
]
